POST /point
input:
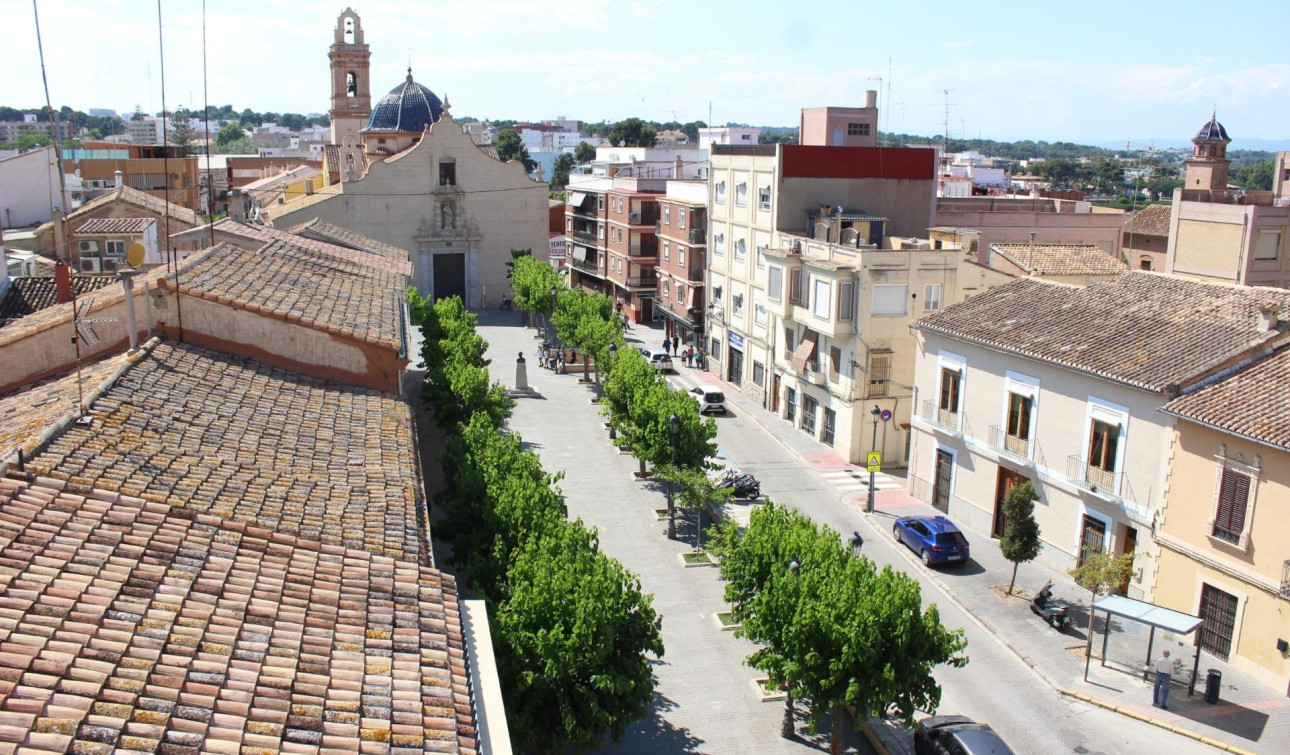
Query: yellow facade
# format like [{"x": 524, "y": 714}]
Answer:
[{"x": 1196, "y": 552}]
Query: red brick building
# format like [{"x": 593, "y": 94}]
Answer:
[{"x": 682, "y": 249}]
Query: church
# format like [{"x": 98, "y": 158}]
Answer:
[{"x": 410, "y": 176}]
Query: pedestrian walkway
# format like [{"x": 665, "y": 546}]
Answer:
[{"x": 1250, "y": 716}]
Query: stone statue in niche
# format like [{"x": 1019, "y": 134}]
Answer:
[{"x": 447, "y": 216}]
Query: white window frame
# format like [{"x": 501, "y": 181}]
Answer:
[
  {"x": 667, "y": 289},
  {"x": 741, "y": 194},
  {"x": 667, "y": 215},
  {"x": 1022, "y": 385},
  {"x": 821, "y": 298},
  {"x": 774, "y": 292},
  {"x": 1239, "y": 465},
  {"x": 680, "y": 255},
  {"x": 759, "y": 313},
  {"x": 929, "y": 298},
  {"x": 846, "y": 313},
  {"x": 1276, "y": 246},
  {"x": 719, "y": 243},
  {"x": 873, "y": 299},
  {"x": 1111, "y": 413},
  {"x": 741, "y": 249},
  {"x": 667, "y": 251},
  {"x": 761, "y": 255},
  {"x": 736, "y": 304},
  {"x": 719, "y": 192},
  {"x": 680, "y": 218},
  {"x": 948, "y": 360},
  {"x": 763, "y": 198}
]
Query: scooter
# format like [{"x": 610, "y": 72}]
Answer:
[
  {"x": 1052, "y": 611},
  {"x": 507, "y": 304},
  {"x": 744, "y": 485}
]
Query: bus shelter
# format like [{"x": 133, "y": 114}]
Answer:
[{"x": 1149, "y": 614}]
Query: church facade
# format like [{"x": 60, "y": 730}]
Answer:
[{"x": 413, "y": 178}]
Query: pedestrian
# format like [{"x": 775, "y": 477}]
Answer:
[
  {"x": 676, "y": 344},
  {"x": 689, "y": 356},
  {"x": 1164, "y": 672}
]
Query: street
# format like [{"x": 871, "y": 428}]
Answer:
[{"x": 706, "y": 700}]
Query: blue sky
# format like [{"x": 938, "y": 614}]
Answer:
[{"x": 1099, "y": 71}]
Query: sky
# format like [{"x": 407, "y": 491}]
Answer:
[{"x": 1015, "y": 69}]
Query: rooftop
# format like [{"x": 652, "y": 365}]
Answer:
[
  {"x": 234, "y": 437},
  {"x": 28, "y": 413},
  {"x": 379, "y": 255},
  {"x": 1252, "y": 402},
  {"x": 131, "y": 625},
  {"x": 1152, "y": 220},
  {"x": 141, "y": 199},
  {"x": 1148, "y": 330},
  {"x": 1060, "y": 259},
  {"x": 27, "y": 295},
  {"x": 115, "y": 225},
  {"x": 334, "y": 234}
]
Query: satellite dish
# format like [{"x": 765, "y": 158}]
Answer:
[{"x": 134, "y": 256}]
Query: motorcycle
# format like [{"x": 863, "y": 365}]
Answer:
[
  {"x": 1052, "y": 611},
  {"x": 744, "y": 485},
  {"x": 507, "y": 304}
]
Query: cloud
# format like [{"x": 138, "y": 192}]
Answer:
[
  {"x": 646, "y": 10},
  {"x": 956, "y": 44}
]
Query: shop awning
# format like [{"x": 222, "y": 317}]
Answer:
[
  {"x": 576, "y": 198},
  {"x": 804, "y": 351}
]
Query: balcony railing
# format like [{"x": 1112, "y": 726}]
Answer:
[
  {"x": 1010, "y": 444},
  {"x": 695, "y": 274},
  {"x": 1091, "y": 478},
  {"x": 1285, "y": 579},
  {"x": 642, "y": 281},
  {"x": 634, "y": 218},
  {"x": 585, "y": 236},
  {"x": 698, "y": 235},
  {"x": 588, "y": 266},
  {"x": 943, "y": 418}
]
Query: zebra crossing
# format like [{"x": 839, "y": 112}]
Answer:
[{"x": 856, "y": 478}]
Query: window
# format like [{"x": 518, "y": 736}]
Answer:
[
  {"x": 720, "y": 192},
  {"x": 741, "y": 249},
  {"x": 447, "y": 173},
  {"x": 680, "y": 218},
  {"x": 667, "y": 288},
  {"x": 879, "y": 373},
  {"x": 846, "y": 300},
  {"x": 114, "y": 248},
  {"x": 931, "y": 297},
  {"x": 1269, "y": 242},
  {"x": 667, "y": 251},
  {"x": 759, "y": 373},
  {"x": 1218, "y": 614},
  {"x": 857, "y": 129},
  {"x": 820, "y": 306},
  {"x": 600, "y": 202},
  {"x": 835, "y": 361},
  {"x": 763, "y": 197},
  {"x": 667, "y": 215},
  {"x": 1146, "y": 263},
  {"x": 737, "y": 304},
  {"x": 951, "y": 381},
  {"x": 746, "y": 137},
  {"x": 797, "y": 284},
  {"x": 775, "y": 283},
  {"x": 761, "y": 255},
  {"x": 830, "y": 422},
  {"x": 809, "y": 405},
  {"x": 680, "y": 255},
  {"x": 789, "y": 339},
  {"x": 741, "y": 194},
  {"x": 889, "y": 299},
  {"x": 680, "y": 293},
  {"x": 1102, "y": 445},
  {"x": 1019, "y": 407},
  {"x": 719, "y": 243},
  {"x": 1233, "y": 501},
  {"x": 759, "y": 314},
  {"x": 790, "y": 405}
]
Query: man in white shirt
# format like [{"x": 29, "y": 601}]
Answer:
[{"x": 1164, "y": 670}]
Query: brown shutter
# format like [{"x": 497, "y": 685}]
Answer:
[
  {"x": 835, "y": 358},
  {"x": 1233, "y": 494}
]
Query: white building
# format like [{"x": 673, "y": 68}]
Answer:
[
  {"x": 27, "y": 182},
  {"x": 727, "y": 135}
]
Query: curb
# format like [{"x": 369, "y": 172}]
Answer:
[
  {"x": 1154, "y": 722},
  {"x": 875, "y": 741}
]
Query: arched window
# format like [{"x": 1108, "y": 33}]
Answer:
[
  {"x": 351, "y": 84},
  {"x": 349, "y": 31}
]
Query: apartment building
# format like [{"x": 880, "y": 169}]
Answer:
[
  {"x": 682, "y": 239},
  {"x": 1224, "y": 537},
  {"x": 586, "y": 222},
  {"x": 631, "y": 245},
  {"x": 1063, "y": 387},
  {"x": 841, "y": 126},
  {"x": 1042, "y": 220}
]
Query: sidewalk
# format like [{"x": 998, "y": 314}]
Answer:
[{"x": 1249, "y": 717}]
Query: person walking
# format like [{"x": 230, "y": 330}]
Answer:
[
  {"x": 676, "y": 344},
  {"x": 689, "y": 356},
  {"x": 1164, "y": 672}
]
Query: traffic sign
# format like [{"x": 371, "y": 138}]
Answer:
[
  {"x": 886, "y": 415},
  {"x": 875, "y": 461}
]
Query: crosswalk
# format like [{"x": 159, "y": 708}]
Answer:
[{"x": 856, "y": 478}]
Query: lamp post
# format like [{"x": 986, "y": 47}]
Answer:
[
  {"x": 876, "y": 413},
  {"x": 550, "y": 335},
  {"x": 789, "y": 728},
  {"x": 674, "y": 430},
  {"x": 613, "y": 352}
]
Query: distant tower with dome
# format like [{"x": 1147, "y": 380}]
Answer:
[
  {"x": 1208, "y": 168},
  {"x": 401, "y": 117}
]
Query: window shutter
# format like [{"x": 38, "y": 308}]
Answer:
[{"x": 1233, "y": 495}]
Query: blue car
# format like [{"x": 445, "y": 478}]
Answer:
[{"x": 934, "y": 538}]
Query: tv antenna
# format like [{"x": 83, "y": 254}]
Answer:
[
  {"x": 83, "y": 330},
  {"x": 945, "y": 135}
]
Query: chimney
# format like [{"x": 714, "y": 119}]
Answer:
[
  {"x": 131, "y": 322},
  {"x": 118, "y": 182},
  {"x": 1030, "y": 258},
  {"x": 63, "y": 281},
  {"x": 871, "y": 98},
  {"x": 1269, "y": 316},
  {"x": 676, "y": 170}
]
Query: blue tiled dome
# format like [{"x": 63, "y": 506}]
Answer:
[
  {"x": 1212, "y": 132},
  {"x": 409, "y": 107}
]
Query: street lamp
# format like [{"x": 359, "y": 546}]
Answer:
[
  {"x": 613, "y": 352},
  {"x": 674, "y": 430},
  {"x": 551, "y": 325},
  {"x": 876, "y": 413},
  {"x": 788, "y": 729}
]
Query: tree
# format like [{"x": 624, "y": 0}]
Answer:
[
  {"x": 632, "y": 132},
  {"x": 180, "y": 133},
  {"x": 691, "y": 130},
  {"x": 1100, "y": 572},
  {"x": 832, "y": 627},
  {"x": 697, "y": 491},
  {"x": 1257, "y": 177},
  {"x": 576, "y": 635},
  {"x": 137, "y": 115},
  {"x": 92, "y": 134},
  {"x": 1020, "y": 542},
  {"x": 73, "y": 144},
  {"x": 531, "y": 281},
  {"x": 241, "y": 146},
  {"x": 229, "y": 134},
  {"x": 510, "y": 147},
  {"x": 560, "y": 172},
  {"x": 584, "y": 153}
]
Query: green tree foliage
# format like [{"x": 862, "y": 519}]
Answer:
[
  {"x": 629, "y": 375},
  {"x": 531, "y": 281},
  {"x": 180, "y": 133},
  {"x": 510, "y": 147},
  {"x": 587, "y": 321},
  {"x": 836, "y": 629},
  {"x": 1100, "y": 572},
  {"x": 458, "y": 384},
  {"x": 228, "y": 135},
  {"x": 560, "y": 172},
  {"x": 28, "y": 140},
  {"x": 1257, "y": 177},
  {"x": 632, "y": 132},
  {"x": 1020, "y": 542},
  {"x": 584, "y": 153}
]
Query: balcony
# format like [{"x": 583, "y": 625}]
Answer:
[
  {"x": 586, "y": 237},
  {"x": 634, "y": 218},
  {"x": 1088, "y": 477},
  {"x": 642, "y": 281},
  {"x": 1010, "y": 445},
  {"x": 698, "y": 235},
  {"x": 586, "y": 266},
  {"x": 694, "y": 275},
  {"x": 943, "y": 419}
]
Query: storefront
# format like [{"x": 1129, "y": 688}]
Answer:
[{"x": 735, "y": 362}]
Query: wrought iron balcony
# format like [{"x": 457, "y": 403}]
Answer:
[
  {"x": 942, "y": 418},
  {"x": 1000, "y": 440},
  {"x": 586, "y": 266},
  {"x": 586, "y": 237},
  {"x": 1089, "y": 477},
  {"x": 642, "y": 281},
  {"x": 698, "y": 235}
]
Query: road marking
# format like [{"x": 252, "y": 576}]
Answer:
[{"x": 850, "y": 479}]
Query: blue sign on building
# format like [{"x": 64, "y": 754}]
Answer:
[{"x": 736, "y": 340}]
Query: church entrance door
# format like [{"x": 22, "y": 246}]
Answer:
[{"x": 450, "y": 276}]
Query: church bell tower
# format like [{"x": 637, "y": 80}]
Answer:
[
  {"x": 1208, "y": 168},
  {"x": 351, "y": 91}
]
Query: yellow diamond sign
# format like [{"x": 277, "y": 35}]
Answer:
[{"x": 874, "y": 461}]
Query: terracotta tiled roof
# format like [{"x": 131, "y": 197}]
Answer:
[
  {"x": 1149, "y": 330},
  {"x": 264, "y": 235},
  {"x": 131, "y": 626},
  {"x": 57, "y": 314},
  {"x": 156, "y": 205},
  {"x": 1152, "y": 220},
  {"x": 300, "y": 203},
  {"x": 344, "y": 237},
  {"x": 27, "y": 295},
  {"x": 27, "y": 413},
  {"x": 1254, "y": 402},
  {"x": 234, "y": 437},
  {"x": 289, "y": 280},
  {"x": 1060, "y": 259},
  {"x": 115, "y": 225}
]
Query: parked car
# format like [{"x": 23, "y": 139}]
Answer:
[
  {"x": 660, "y": 361},
  {"x": 710, "y": 398},
  {"x": 934, "y": 538},
  {"x": 957, "y": 735}
]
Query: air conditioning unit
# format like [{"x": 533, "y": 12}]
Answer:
[
  {"x": 90, "y": 265},
  {"x": 89, "y": 246},
  {"x": 109, "y": 264}
]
